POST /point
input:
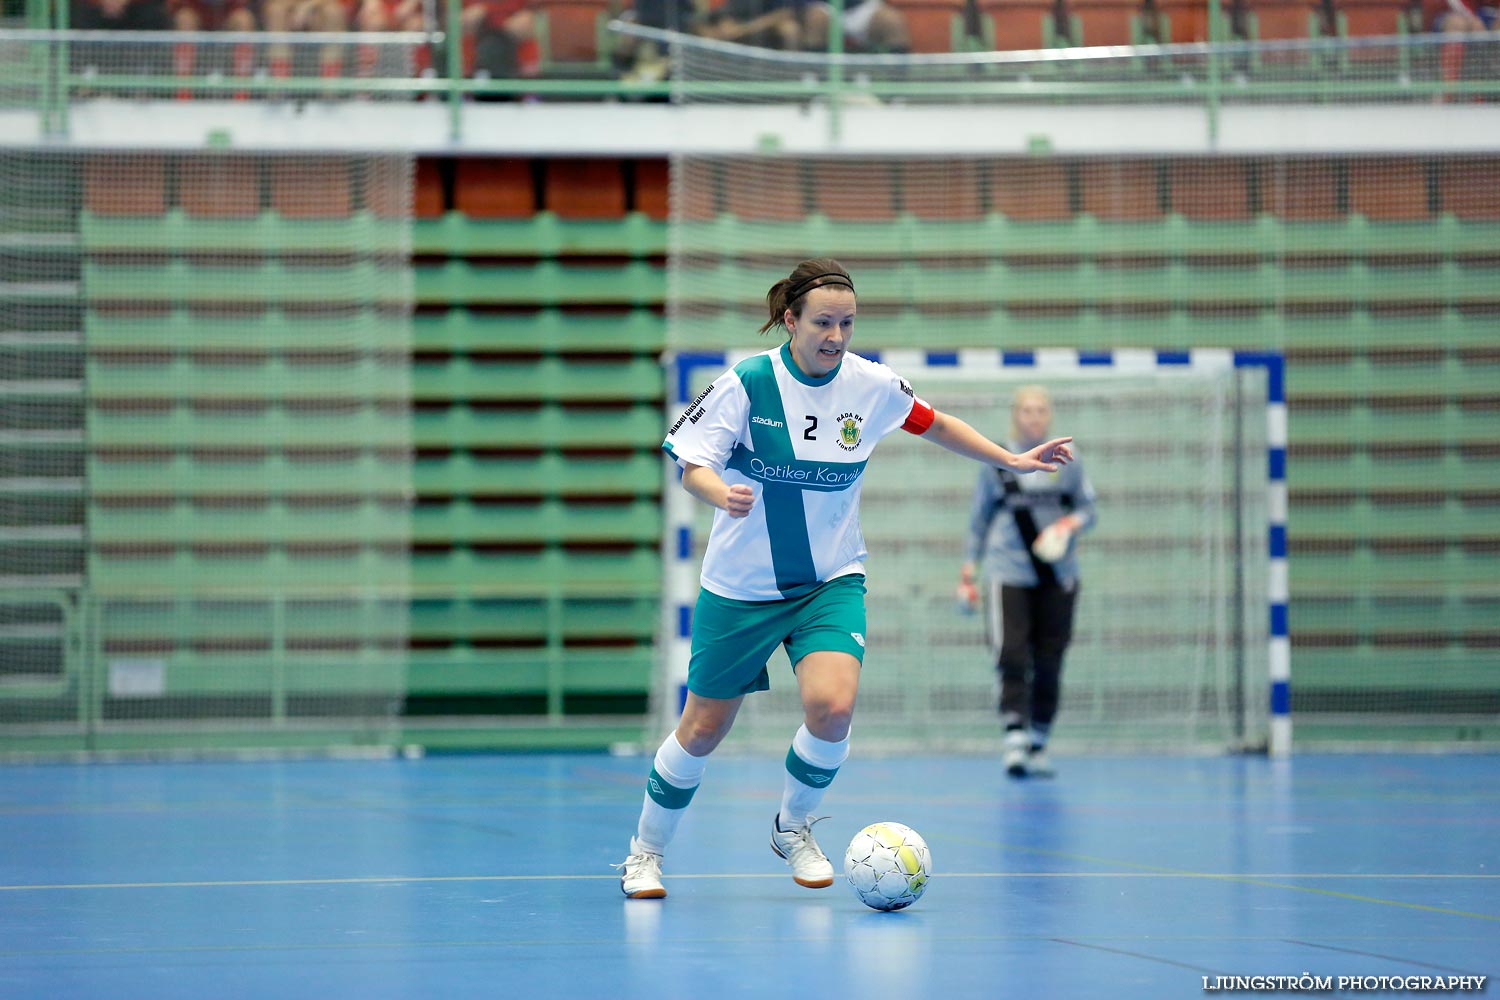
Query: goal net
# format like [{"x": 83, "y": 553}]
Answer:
[
  {"x": 1172, "y": 646},
  {"x": 1292, "y": 197}
]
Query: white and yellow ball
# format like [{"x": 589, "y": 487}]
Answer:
[{"x": 888, "y": 865}]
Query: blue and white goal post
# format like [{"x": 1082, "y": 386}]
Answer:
[{"x": 1180, "y": 637}]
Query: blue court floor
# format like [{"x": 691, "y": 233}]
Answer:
[{"x": 488, "y": 876}]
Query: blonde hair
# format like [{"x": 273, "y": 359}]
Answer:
[{"x": 1030, "y": 390}]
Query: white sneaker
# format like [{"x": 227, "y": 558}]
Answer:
[
  {"x": 1039, "y": 765},
  {"x": 1017, "y": 754},
  {"x": 641, "y": 878},
  {"x": 810, "y": 866}
]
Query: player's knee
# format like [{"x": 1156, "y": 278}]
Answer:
[
  {"x": 701, "y": 742},
  {"x": 829, "y": 718},
  {"x": 700, "y": 736}
]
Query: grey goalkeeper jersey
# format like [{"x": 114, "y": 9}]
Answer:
[{"x": 994, "y": 540}]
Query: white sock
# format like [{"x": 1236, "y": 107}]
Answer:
[
  {"x": 674, "y": 778},
  {"x": 809, "y": 760}
]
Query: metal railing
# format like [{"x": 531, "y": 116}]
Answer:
[{"x": 50, "y": 70}]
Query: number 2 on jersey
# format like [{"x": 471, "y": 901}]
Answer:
[{"x": 812, "y": 425}]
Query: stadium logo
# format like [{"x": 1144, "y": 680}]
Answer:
[
  {"x": 767, "y": 422},
  {"x": 850, "y": 425}
]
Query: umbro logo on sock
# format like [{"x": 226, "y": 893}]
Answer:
[{"x": 655, "y": 787}]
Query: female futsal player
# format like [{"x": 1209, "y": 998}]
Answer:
[{"x": 778, "y": 444}]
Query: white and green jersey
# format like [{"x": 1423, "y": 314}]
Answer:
[{"x": 801, "y": 444}]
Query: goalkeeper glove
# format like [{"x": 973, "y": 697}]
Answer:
[{"x": 1052, "y": 544}]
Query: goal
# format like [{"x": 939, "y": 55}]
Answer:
[{"x": 1180, "y": 641}]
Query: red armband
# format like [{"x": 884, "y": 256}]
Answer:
[{"x": 920, "y": 418}]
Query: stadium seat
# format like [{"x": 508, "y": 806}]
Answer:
[
  {"x": 393, "y": 190},
  {"x": 1389, "y": 190},
  {"x": 1211, "y": 189},
  {"x": 428, "y": 201},
  {"x": 1021, "y": 24},
  {"x": 1470, "y": 189},
  {"x": 765, "y": 190},
  {"x": 1184, "y": 20},
  {"x": 585, "y": 189},
  {"x": 1300, "y": 190},
  {"x": 494, "y": 189},
  {"x": 224, "y": 187},
  {"x": 652, "y": 185},
  {"x": 929, "y": 23},
  {"x": 1121, "y": 190},
  {"x": 855, "y": 191},
  {"x": 939, "y": 189},
  {"x": 1371, "y": 18},
  {"x": 1105, "y": 22},
  {"x": 1276, "y": 19},
  {"x": 140, "y": 191},
  {"x": 699, "y": 190},
  {"x": 572, "y": 29},
  {"x": 311, "y": 188},
  {"x": 1030, "y": 190}
]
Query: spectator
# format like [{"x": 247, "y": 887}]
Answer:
[
  {"x": 504, "y": 38},
  {"x": 120, "y": 15},
  {"x": 645, "y": 61},
  {"x": 385, "y": 15},
  {"x": 213, "y": 15},
  {"x": 769, "y": 24},
  {"x": 305, "y": 15},
  {"x": 1455, "y": 18},
  {"x": 869, "y": 26}
]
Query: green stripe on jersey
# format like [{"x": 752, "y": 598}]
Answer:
[{"x": 786, "y": 517}]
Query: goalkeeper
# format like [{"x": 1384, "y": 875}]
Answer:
[{"x": 1023, "y": 534}]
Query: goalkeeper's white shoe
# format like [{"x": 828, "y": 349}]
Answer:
[
  {"x": 641, "y": 874},
  {"x": 810, "y": 866},
  {"x": 1017, "y": 755},
  {"x": 1039, "y": 765}
]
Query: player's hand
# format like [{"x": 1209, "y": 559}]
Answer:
[
  {"x": 968, "y": 598},
  {"x": 739, "y": 501},
  {"x": 967, "y": 594},
  {"x": 1045, "y": 457}
]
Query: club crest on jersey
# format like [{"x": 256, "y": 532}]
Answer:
[{"x": 850, "y": 425}]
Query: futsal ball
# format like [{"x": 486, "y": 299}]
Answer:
[{"x": 889, "y": 866}]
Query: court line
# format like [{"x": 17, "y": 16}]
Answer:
[
  {"x": 1135, "y": 954},
  {"x": 1376, "y": 954},
  {"x": 1243, "y": 879},
  {"x": 432, "y": 879}
]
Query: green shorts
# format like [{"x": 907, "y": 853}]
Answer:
[{"x": 733, "y": 640}]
